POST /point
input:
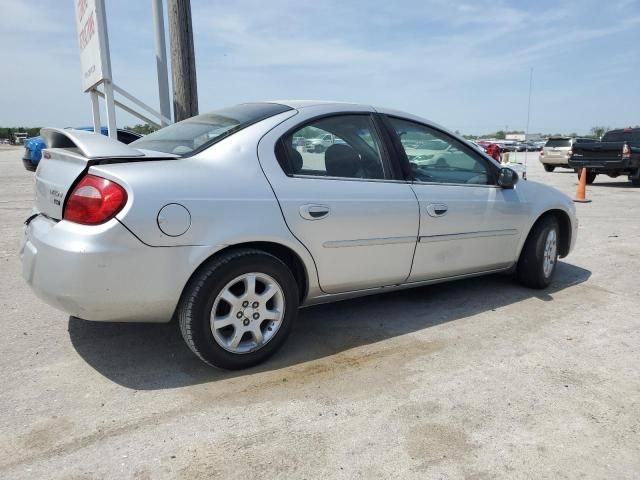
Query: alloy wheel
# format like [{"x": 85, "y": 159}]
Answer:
[{"x": 247, "y": 313}]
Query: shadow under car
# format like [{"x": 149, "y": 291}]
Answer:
[{"x": 154, "y": 356}]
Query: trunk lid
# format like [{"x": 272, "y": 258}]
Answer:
[
  {"x": 68, "y": 156},
  {"x": 56, "y": 174}
]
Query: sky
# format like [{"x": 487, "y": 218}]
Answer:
[{"x": 464, "y": 65}]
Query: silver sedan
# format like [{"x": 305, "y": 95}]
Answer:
[{"x": 227, "y": 222}]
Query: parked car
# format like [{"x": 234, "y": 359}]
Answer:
[
  {"x": 320, "y": 144},
  {"x": 33, "y": 146},
  {"x": 220, "y": 222},
  {"x": 617, "y": 154},
  {"x": 557, "y": 150},
  {"x": 533, "y": 146},
  {"x": 508, "y": 146}
]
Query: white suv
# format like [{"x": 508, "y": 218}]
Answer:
[{"x": 557, "y": 150}]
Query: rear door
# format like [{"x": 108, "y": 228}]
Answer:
[{"x": 345, "y": 204}]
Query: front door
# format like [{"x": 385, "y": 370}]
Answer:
[
  {"x": 467, "y": 223},
  {"x": 343, "y": 203}
]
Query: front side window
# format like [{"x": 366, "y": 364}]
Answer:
[
  {"x": 343, "y": 146},
  {"x": 436, "y": 157}
]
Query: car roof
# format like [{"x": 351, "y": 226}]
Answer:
[
  {"x": 345, "y": 106},
  {"x": 297, "y": 104}
]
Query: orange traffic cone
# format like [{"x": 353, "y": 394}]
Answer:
[{"x": 582, "y": 188}]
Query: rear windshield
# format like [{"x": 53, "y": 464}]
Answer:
[
  {"x": 558, "y": 142},
  {"x": 197, "y": 133},
  {"x": 632, "y": 136}
]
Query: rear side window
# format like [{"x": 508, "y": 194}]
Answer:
[
  {"x": 197, "y": 133},
  {"x": 341, "y": 146},
  {"x": 558, "y": 142}
]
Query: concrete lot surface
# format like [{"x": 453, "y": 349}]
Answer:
[{"x": 476, "y": 379}]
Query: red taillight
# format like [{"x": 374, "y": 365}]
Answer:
[
  {"x": 570, "y": 152},
  {"x": 94, "y": 200},
  {"x": 626, "y": 152},
  {"x": 542, "y": 152}
]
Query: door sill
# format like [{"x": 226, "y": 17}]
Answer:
[{"x": 336, "y": 297}]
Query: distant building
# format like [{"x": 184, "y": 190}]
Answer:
[
  {"x": 518, "y": 137},
  {"x": 521, "y": 137}
]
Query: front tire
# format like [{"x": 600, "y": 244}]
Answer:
[
  {"x": 238, "y": 309},
  {"x": 549, "y": 168},
  {"x": 539, "y": 256}
]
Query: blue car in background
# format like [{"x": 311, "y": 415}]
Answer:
[{"x": 33, "y": 146}]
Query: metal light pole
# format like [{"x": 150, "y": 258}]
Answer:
[{"x": 161, "y": 62}]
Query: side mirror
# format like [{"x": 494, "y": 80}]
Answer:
[{"x": 507, "y": 178}]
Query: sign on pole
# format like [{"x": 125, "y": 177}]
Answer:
[
  {"x": 91, "y": 39},
  {"x": 94, "y": 56},
  {"x": 95, "y": 62}
]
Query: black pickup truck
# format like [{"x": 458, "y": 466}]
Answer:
[{"x": 617, "y": 154}]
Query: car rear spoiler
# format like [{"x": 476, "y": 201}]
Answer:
[{"x": 91, "y": 145}]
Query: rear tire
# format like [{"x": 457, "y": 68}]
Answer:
[
  {"x": 635, "y": 181},
  {"x": 539, "y": 256},
  {"x": 549, "y": 168},
  {"x": 254, "y": 324}
]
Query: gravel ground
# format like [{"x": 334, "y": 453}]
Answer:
[{"x": 474, "y": 379}]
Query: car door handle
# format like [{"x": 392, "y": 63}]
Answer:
[
  {"x": 314, "y": 212},
  {"x": 437, "y": 209}
]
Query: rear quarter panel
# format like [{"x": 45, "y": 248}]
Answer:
[{"x": 224, "y": 189}]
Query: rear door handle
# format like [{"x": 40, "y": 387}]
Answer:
[
  {"x": 314, "y": 212},
  {"x": 437, "y": 209}
]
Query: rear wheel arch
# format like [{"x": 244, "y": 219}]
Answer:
[
  {"x": 285, "y": 254},
  {"x": 564, "y": 222}
]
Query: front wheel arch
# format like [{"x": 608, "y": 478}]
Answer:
[{"x": 564, "y": 222}]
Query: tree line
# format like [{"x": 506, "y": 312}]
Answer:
[{"x": 8, "y": 132}]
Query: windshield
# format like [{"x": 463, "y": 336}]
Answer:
[
  {"x": 558, "y": 142},
  {"x": 199, "y": 132}
]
